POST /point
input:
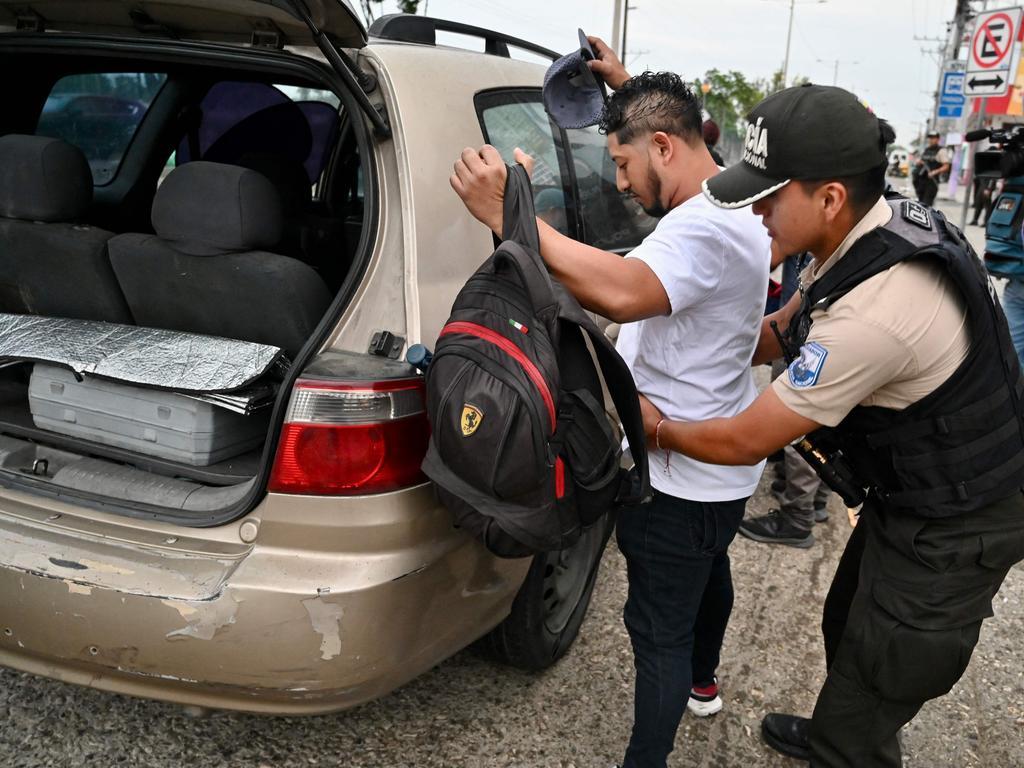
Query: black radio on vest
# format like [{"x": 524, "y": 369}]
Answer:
[
  {"x": 960, "y": 448},
  {"x": 522, "y": 451}
]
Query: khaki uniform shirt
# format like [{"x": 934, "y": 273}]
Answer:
[{"x": 889, "y": 342}]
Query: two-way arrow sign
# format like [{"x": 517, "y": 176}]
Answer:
[{"x": 979, "y": 83}]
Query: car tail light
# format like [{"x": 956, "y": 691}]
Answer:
[{"x": 352, "y": 438}]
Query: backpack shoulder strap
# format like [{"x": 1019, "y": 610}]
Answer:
[
  {"x": 622, "y": 389},
  {"x": 519, "y": 222},
  {"x": 519, "y": 250}
]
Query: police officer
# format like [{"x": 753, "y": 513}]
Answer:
[
  {"x": 920, "y": 399},
  {"x": 934, "y": 162}
]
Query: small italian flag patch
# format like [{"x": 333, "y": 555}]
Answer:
[{"x": 518, "y": 326}]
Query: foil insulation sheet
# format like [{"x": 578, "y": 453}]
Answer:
[{"x": 149, "y": 357}]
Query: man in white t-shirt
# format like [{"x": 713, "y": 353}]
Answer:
[{"x": 692, "y": 296}]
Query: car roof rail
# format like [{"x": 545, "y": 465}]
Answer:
[{"x": 410, "y": 28}]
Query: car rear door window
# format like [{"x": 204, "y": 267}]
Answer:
[
  {"x": 99, "y": 113},
  {"x": 511, "y": 119},
  {"x": 612, "y": 221},
  {"x": 573, "y": 177}
]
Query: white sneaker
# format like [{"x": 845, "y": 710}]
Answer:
[{"x": 705, "y": 701}]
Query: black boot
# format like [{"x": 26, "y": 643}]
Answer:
[
  {"x": 773, "y": 528},
  {"x": 788, "y": 734}
]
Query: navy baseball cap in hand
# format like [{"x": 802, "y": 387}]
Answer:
[
  {"x": 808, "y": 132},
  {"x": 573, "y": 95}
]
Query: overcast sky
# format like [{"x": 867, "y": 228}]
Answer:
[{"x": 873, "y": 40}]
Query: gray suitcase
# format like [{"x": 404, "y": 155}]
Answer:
[{"x": 149, "y": 421}]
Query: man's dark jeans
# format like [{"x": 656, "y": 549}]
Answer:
[{"x": 680, "y": 598}]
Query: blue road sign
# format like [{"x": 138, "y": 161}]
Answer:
[{"x": 951, "y": 96}]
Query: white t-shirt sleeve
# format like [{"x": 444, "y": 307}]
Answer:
[{"x": 687, "y": 256}]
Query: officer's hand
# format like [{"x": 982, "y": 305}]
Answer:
[
  {"x": 607, "y": 65},
  {"x": 651, "y": 418},
  {"x": 479, "y": 179}
]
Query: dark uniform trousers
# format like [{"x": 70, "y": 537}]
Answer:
[
  {"x": 901, "y": 620},
  {"x": 928, "y": 191}
]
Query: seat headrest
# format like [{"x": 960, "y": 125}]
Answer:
[
  {"x": 209, "y": 207},
  {"x": 43, "y": 179}
]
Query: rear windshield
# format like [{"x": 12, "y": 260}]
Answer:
[{"x": 238, "y": 118}]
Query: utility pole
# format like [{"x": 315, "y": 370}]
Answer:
[
  {"x": 950, "y": 50},
  {"x": 626, "y": 8},
  {"x": 789, "y": 36},
  {"x": 616, "y": 22},
  {"x": 964, "y": 14}
]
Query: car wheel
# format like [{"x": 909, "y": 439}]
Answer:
[{"x": 548, "y": 610}]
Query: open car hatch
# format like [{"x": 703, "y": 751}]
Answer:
[{"x": 271, "y": 23}]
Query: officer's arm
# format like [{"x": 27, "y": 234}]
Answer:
[
  {"x": 940, "y": 170},
  {"x": 763, "y": 428},
  {"x": 768, "y": 347}
]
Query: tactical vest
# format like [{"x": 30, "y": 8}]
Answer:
[
  {"x": 930, "y": 155},
  {"x": 961, "y": 447}
]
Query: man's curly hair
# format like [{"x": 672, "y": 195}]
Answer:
[{"x": 653, "y": 101}]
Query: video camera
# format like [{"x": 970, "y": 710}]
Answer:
[
  {"x": 1003, "y": 163},
  {"x": 1004, "y": 245}
]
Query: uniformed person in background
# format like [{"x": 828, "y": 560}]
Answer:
[
  {"x": 904, "y": 362},
  {"x": 934, "y": 162}
]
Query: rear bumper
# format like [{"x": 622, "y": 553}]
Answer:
[{"x": 253, "y": 628}]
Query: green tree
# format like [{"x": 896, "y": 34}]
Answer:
[{"x": 728, "y": 97}]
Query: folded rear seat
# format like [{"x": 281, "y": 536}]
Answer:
[
  {"x": 51, "y": 264},
  {"x": 208, "y": 269}
]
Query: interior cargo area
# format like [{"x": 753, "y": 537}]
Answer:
[
  {"x": 81, "y": 463},
  {"x": 225, "y": 202}
]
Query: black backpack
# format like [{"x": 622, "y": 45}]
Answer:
[{"x": 522, "y": 451}]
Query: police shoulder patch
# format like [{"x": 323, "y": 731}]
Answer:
[
  {"x": 916, "y": 213},
  {"x": 805, "y": 370}
]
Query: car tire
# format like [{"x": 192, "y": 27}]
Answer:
[{"x": 551, "y": 604}]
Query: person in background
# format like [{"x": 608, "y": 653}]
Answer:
[
  {"x": 712, "y": 134},
  {"x": 934, "y": 162},
  {"x": 983, "y": 200},
  {"x": 802, "y": 497}
]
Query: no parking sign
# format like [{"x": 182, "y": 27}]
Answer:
[{"x": 993, "y": 54}]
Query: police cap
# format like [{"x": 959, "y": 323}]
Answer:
[{"x": 806, "y": 132}]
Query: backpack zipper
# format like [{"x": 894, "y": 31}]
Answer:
[{"x": 509, "y": 348}]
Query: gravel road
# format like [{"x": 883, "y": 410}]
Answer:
[{"x": 468, "y": 712}]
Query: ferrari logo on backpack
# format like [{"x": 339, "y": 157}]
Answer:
[{"x": 471, "y": 418}]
